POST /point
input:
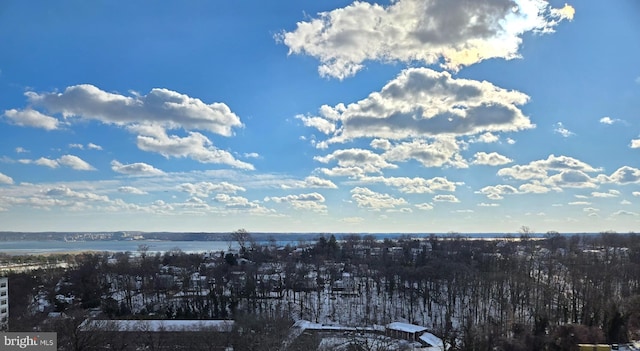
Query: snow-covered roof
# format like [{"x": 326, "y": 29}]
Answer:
[
  {"x": 406, "y": 327},
  {"x": 155, "y": 325},
  {"x": 432, "y": 340}
]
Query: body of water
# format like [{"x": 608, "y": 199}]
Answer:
[{"x": 46, "y": 247}]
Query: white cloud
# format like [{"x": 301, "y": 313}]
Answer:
[
  {"x": 457, "y": 32},
  {"x": 137, "y": 169},
  {"x": 66, "y": 192},
  {"x": 32, "y": 118},
  {"x": 5, "y": 179},
  {"x": 496, "y": 192},
  {"x": 355, "y": 159},
  {"x": 43, "y": 161},
  {"x": 539, "y": 169},
  {"x": 486, "y": 138},
  {"x": 242, "y": 204},
  {"x": 510, "y": 141},
  {"x": 571, "y": 179},
  {"x": 21, "y": 150},
  {"x": 309, "y": 202},
  {"x": 75, "y": 162},
  {"x": 424, "y": 206},
  {"x": 310, "y": 182},
  {"x": 610, "y": 193},
  {"x": 491, "y": 159},
  {"x": 203, "y": 189},
  {"x": 609, "y": 120},
  {"x": 623, "y": 175},
  {"x": 319, "y": 123},
  {"x": 441, "y": 152},
  {"x": 416, "y": 185},
  {"x": 579, "y": 203},
  {"x": 424, "y": 103},
  {"x": 636, "y": 193},
  {"x": 445, "y": 198},
  {"x": 161, "y": 106},
  {"x": 559, "y": 128},
  {"x": 70, "y": 161},
  {"x": 635, "y": 144},
  {"x": 366, "y": 198},
  {"x": 382, "y": 144},
  {"x": 149, "y": 115},
  {"x": 195, "y": 146},
  {"x": 492, "y": 204},
  {"x": 625, "y": 202},
  {"x": 625, "y": 213},
  {"x": 131, "y": 190},
  {"x": 90, "y": 146}
]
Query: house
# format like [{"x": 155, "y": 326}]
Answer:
[
  {"x": 414, "y": 333},
  {"x": 4, "y": 303},
  {"x": 405, "y": 331}
]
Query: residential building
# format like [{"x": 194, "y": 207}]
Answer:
[{"x": 4, "y": 303}]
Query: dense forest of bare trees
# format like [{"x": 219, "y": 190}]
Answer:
[{"x": 514, "y": 293}]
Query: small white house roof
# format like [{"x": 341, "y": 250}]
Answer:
[
  {"x": 432, "y": 340},
  {"x": 406, "y": 327}
]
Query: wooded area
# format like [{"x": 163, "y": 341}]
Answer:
[{"x": 514, "y": 293}]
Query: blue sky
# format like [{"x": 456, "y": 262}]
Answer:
[{"x": 320, "y": 116}]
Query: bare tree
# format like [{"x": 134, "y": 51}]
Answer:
[{"x": 242, "y": 237}]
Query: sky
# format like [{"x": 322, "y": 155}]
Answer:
[{"x": 408, "y": 116}]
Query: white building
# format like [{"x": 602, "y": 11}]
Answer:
[{"x": 4, "y": 303}]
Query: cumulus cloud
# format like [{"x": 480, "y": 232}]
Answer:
[
  {"x": 131, "y": 190},
  {"x": 355, "y": 161},
  {"x": 490, "y": 159},
  {"x": 635, "y": 144},
  {"x": 486, "y": 138},
  {"x": 66, "y": 192},
  {"x": 241, "y": 204},
  {"x": 539, "y": 169},
  {"x": 424, "y": 206},
  {"x": 148, "y": 115},
  {"x": 203, "y": 189},
  {"x": 454, "y": 33},
  {"x": 367, "y": 198},
  {"x": 310, "y": 182},
  {"x": 31, "y": 118},
  {"x": 75, "y": 162},
  {"x": 5, "y": 179},
  {"x": 441, "y": 152},
  {"x": 90, "y": 146},
  {"x": 136, "y": 169},
  {"x": 445, "y": 198},
  {"x": 310, "y": 201},
  {"x": 416, "y": 185},
  {"x": 610, "y": 193},
  {"x": 623, "y": 175},
  {"x": 424, "y": 103},
  {"x": 195, "y": 146},
  {"x": 571, "y": 179},
  {"x": 559, "y": 128},
  {"x": 70, "y": 161},
  {"x": 609, "y": 120},
  {"x": 161, "y": 106},
  {"x": 496, "y": 192}
]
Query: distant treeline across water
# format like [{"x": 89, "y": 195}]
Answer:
[{"x": 13, "y": 243}]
